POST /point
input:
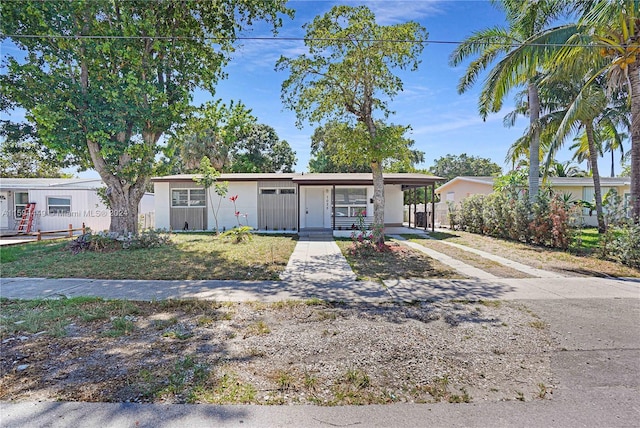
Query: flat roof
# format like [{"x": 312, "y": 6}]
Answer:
[{"x": 311, "y": 179}]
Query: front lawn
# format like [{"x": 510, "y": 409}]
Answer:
[
  {"x": 396, "y": 262},
  {"x": 190, "y": 256}
]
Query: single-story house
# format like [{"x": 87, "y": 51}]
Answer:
[
  {"x": 281, "y": 201},
  {"x": 58, "y": 203},
  {"x": 580, "y": 188}
]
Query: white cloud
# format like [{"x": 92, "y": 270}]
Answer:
[{"x": 450, "y": 123}]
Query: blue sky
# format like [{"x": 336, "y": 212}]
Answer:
[{"x": 443, "y": 121}]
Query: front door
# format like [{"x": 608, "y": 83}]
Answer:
[
  {"x": 314, "y": 209},
  {"x": 4, "y": 211}
]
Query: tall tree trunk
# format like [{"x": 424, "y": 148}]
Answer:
[
  {"x": 597, "y": 192},
  {"x": 123, "y": 196},
  {"x": 378, "y": 199},
  {"x": 534, "y": 145},
  {"x": 634, "y": 78},
  {"x": 378, "y": 183},
  {"x": 613, "y": 161}
]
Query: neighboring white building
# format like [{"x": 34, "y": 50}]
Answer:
[
  {"x": 60, "y": 202},
  {"x": 281, "y": 201}
]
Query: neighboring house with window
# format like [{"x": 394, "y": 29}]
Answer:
[
  {"x": 58, "y": 203},
  {"x": 281, "y": 201},
  {"x": 580, "y": 188}
]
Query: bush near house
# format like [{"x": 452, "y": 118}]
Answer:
[{"x": 548, "y": 222}]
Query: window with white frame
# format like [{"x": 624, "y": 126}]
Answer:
[
  {"x": 188, "y": 198},
  {"x": 21, "y": 200},
  {"x": 350, "y": 202},
  {"x": 58, "y": 205},
  {"x": 280, "y": 191}
]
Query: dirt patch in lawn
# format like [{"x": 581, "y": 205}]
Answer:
[
  {"x": 395, "y": 262},
  {"x": 493, "y": 267},
  {"x": 543, "y": 258},
  {"x": 309, "y": 352}
]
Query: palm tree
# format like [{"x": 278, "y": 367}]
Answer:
[
  {"x": 585, "y": 106},
  {"x": 563, "y": 169},
  {"x": 607, "y": 37},
  {"x": 520, "y": 65}
]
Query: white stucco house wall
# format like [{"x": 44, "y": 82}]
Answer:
[
  {"x": 295, "y": 202},
  {"x": 59, "y": 202}
]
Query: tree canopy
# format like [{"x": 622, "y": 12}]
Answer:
[
  {"x": 233, "y": 141},
  {"x": 452, "y": 166},
  {"x": 346, "y": 75},
  {"x": 335, "y": 148},
  {"x": 261, "y": 150},
  {"x": 23, "y": 156},
  {"x": 106, "y": 79}
]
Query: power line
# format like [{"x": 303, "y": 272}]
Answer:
[{"x": 285, "y": 39}]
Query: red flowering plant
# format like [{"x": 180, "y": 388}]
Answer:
[
  {"x": 240, "y": 233},
  {"x": 235, "y": 208}
]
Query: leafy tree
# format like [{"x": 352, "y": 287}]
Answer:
[
  {"x": 344, "y": 77},
  {"x": 325, "y": 142},
  {"x": 213, "y": 132},
  {"x": 520, "y": 64},
  {"x": 331, "y": 151},
  {"x": 23, "y": 156},
  {"x": 107, "y": 79},
  {"x": 260, "y": 150},
  {"x": 452, "y": 166}
]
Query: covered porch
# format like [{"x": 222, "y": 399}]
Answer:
[{"x": 339, "y": 202}]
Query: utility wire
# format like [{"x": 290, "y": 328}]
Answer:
[{"x": 286, "y": 39}]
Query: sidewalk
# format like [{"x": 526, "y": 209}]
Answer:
[{"x": 593, "y": 322}]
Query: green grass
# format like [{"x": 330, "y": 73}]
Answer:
[
  {"x": 588, "y": 240},
  {"x": 192, "y": 256},
  {"x": 52, "y": 316}
]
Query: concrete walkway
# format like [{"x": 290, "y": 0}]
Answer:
[
  {"x": 317, "y": 259},
  {"x": 404, "y": 290},
  {"x": 535, "y": 272},
  {"x": 458, "y": 265}
]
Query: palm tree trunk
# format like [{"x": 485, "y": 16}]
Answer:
[
  {"x": 634, "y": 78},
  {"x": 597, "y": 192},
  {"x": 613, "y": 168},
  {"x": 534, "y": 145}
]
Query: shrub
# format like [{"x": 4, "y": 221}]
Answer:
[
  {"x": 471, "y": 218},
  {"x": 364, "y": 241},
  {"x": 239, "y": 234},
  {"x": 622, "y": 244},
  {"x": 509, "y": 214},
  {"x": 109, "y": 241}
]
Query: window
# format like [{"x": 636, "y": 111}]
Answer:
[
  {"x": 58, "y": 205},
  {"x": 451, "y": 196},
  {"x": 21, "y": 201},
  {"x": 351, "y": 202},
  {"x": 351, "y": 196},
  {"x": 282, "y": 191},
  {"x": 188, "y": 198},
  {"x": 197, "y": 198}
]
